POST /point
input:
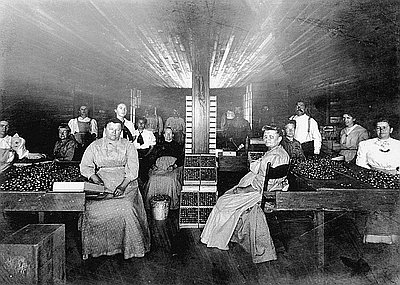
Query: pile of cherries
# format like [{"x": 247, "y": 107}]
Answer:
[
  {"x": 376, "y": 179},
  {"x": 38, "y": 177},
  {"x": 315, "y": 168},
  {"x": 324, "y": 168}
]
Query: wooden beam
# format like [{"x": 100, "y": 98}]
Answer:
[{"x": 201, "y": 98}]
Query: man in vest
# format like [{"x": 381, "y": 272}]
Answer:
[{"x": 307, "y": 132}]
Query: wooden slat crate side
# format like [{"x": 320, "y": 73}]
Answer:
[{"x": 34, "y": 254}]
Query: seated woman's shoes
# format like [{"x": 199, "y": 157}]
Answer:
[{"x": 359, "y": 266}]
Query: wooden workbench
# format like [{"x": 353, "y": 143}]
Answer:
[
  {"x": 41, "y": 202},
  {"x": 344, "y": 194}
]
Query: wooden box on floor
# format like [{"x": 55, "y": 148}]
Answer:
[
  {"x": 35, "y": 254},
  {"x": 199, "y": 192},
  {"x": 197, "y": 202}
]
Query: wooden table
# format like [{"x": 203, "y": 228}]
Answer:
[
  {"x": 232, "y": 163},
  {"x": 41, "y": 202},
  {"x": 343, "y": 194}
]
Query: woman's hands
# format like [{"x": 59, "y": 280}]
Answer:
[
  {"x": 96, "y": 179},
  {"x": 119, "y": 191},
  {"x": 121, "y": 188},
  {"x": 171, "y": 167},
  {"x": 240, "y": 190}
]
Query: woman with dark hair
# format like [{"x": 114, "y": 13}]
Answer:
[
  {"x": 127, "y": 126},
  {"x": 118, "y": 223},
  {"x": 65, "y": 147},
  {"x": 237, "y": 216},
  {"x": 351, "y": 136}
]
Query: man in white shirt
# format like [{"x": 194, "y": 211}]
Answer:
[
  {"x": 307, "y": 132},
  {"x": 144, "y": 141},
  {"x": 83, "y": 127}
]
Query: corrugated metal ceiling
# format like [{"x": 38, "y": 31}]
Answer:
[{"x": 121, "y": 42}]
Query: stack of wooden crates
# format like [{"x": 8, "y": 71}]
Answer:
[{"x": 199, "y": 192}]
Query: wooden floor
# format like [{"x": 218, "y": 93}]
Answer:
[
  {"x": 178, "y": 257},
  {"x": 186, "y": 261}
]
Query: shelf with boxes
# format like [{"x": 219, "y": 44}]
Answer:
[
  {"x": 197, "y": 202},
  {"x": 200, "y": 169},
  {"x": 199, "y": 192}
]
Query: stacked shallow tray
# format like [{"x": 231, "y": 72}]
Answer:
[{"x": 199, "y": 192}]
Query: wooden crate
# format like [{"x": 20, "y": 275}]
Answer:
[
  {"x": 35, "y": 254},
  {"x": 196, "y": 204},
  {"x": 200, "y": 169}
]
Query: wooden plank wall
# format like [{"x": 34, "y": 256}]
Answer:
[
  {"x": 274, "y": 94},
  {"x": 35, "y": 111}
]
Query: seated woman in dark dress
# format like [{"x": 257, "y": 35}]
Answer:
[
  {"x": 165, "y": 175},
  {"x": 65, "y": 147}
]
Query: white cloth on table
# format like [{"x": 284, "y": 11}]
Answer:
[{"x": 15, "y": 143}]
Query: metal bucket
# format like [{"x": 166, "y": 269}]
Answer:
[{"x": 160, "y": 206}]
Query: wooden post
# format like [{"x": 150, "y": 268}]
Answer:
[
  {"x": 2, "y": 63},
  {"x": 41, "y": 217},
  {"x": 132, "y": 108},
  {"x": 320, "y": 242},
  {"x": 201, "y": 99}
]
